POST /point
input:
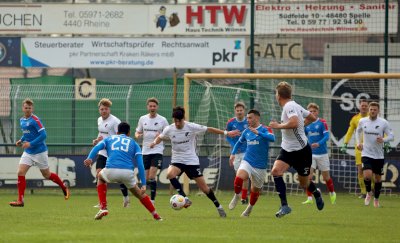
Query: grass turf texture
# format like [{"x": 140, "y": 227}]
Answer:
[{"x": 47, "y": 217}]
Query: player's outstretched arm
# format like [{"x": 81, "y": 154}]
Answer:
[
  {"x": 233, "y": 133},
  {"x": 95, "y": 150}
]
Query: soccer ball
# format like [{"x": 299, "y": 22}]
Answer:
[{"x": 177, "y": 202}]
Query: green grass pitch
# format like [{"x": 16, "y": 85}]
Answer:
[{"x": 47, "y": 217}]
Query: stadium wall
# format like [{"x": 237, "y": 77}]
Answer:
[{"x": 85, "y": 178}]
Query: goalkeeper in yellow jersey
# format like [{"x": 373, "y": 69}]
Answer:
[{"x": 363, "y": 107}]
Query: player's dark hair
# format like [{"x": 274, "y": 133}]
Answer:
[
  {"x": 362, "y": 101},
  {"x": 124, "y": 128},
  {"x": 255, "y": 112},
  {"x": 178, "y": 113}
]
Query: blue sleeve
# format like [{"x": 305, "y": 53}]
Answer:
[
  {"x": 230, "y": 140},
  {"x": 140, "y": 166},
  {"x": 238, "y": 143},
  {"x": 96, "y": 149},
  {"x": 324, "y": 139},
  {"x": 42, "y": 136},
  {"x": 267, "y": 135}
]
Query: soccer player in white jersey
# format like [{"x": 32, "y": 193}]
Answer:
[
  {"x": 107, "y": 125},
  {"x": 184, "y": 158},
  {"x": 121, "y": 151},
  {"x": 372, "y": 132},
  {"x": 295, "y": 150},
  {"x": 149, "y": 127},
  {"x": 254, "y": 164}
]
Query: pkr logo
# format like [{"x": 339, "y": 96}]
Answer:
[{"x": 224, "y": 56}]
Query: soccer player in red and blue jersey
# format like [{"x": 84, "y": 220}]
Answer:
[
  {"x": 254, "y": 164},
  {"x": 121, "y": 151},
  {"x": 239, "y": 122},
  {"x": 318, "y": 135},
  {"x": 35, "y": 152}
]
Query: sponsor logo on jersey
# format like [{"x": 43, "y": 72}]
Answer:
[
  {"x": 180, "y": 142},
  {"x": 313, "y": 134},
  {"x": 254, "y": 142}
]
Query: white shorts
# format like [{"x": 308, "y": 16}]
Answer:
[
  {"x": 124, "y": 176},
  {"x": 257, "y": 176},
  {"x": 237, "y": 161},
  {"x": 41, "y": 160},
  {"x": 321, "y": 161}
]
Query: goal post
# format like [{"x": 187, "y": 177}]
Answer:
[{"x": 224, "y": 89}]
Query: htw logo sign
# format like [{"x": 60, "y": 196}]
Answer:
[{"x": 213, "y": 14}]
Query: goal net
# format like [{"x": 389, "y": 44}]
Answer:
[{"x": 210, "y": 100}]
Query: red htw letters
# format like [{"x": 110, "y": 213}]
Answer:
[{"x": 231, "y": 13}]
